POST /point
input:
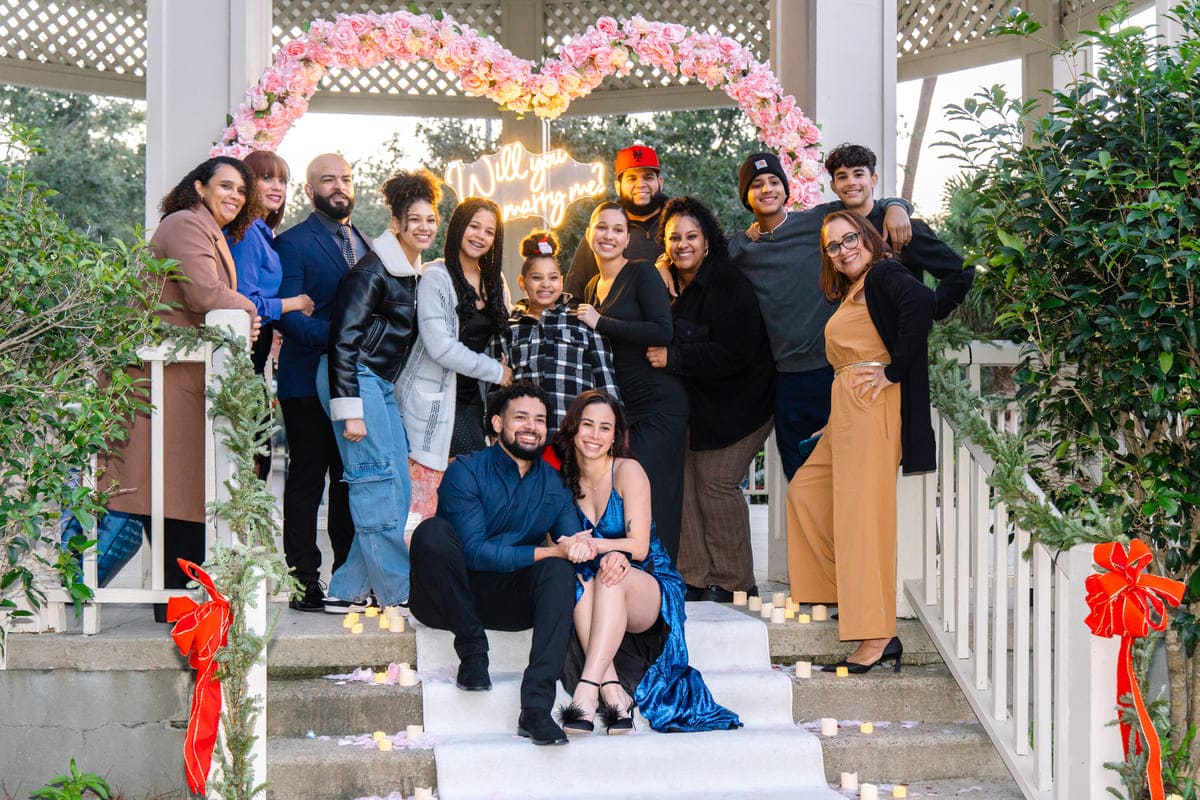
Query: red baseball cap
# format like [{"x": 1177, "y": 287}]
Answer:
[{"x": 636, "y": 156}]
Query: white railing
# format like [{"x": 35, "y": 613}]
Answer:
[
  {"x": 1012, "y": 629},
  {"x": 218, "y": 469}
]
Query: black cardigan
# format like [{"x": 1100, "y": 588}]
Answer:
[{"x": 901, "y": 307}]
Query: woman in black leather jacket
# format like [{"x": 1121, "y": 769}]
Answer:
[{"x": 371, "y": 331}]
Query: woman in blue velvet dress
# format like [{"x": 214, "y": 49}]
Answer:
[{"x": 629, "y": 610}]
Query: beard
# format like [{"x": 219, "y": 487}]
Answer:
[
  {"x": 516, "y": 450},
  {"x": 657, "y": 201},
  {"x": 322, "y": 204}
]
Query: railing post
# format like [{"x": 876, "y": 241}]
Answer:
[
  {"x": 1090, "y": 694},
  {"x": 776, "y": 513},
  {"x": 221, "y": 471}
]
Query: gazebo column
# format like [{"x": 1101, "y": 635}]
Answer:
[
  {"x": 522, "y": 24},
  {"x": 839, "y": 61},
  {"x": 201, "y": 57}
]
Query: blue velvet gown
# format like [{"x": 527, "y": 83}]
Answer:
[{"x": 671, "y": 695}]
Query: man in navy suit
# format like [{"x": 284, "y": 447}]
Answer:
[{"x": 314, "y": 254}]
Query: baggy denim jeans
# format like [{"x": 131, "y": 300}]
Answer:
[{"x": 376, "y": 470}]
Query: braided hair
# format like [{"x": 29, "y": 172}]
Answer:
[{"x": 491, "y": 277}]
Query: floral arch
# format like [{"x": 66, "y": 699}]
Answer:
[{"x": 485, "y": 68}]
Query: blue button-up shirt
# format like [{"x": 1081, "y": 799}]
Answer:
[
  {"x": 499, "y": 516},
  {"x": 258, "y": 269}
]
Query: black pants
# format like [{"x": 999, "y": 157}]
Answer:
[
  {"x": 658, "y": 441},
  {"x": 447, "y": 595},
  {"x": 181, "y": 539},
  {"x": 312, "y": 454}
]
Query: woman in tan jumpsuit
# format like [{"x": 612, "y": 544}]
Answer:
[{"x": 842, "y": 503}]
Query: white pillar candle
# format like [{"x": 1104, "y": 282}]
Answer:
[
  {"x": 849, "y": 780},
  {"x": 414, "y": 731},
  {"x": 753, "y": 603},
  {"x": 403, "y": 665},
  {"x": 765, "y": 610},
  {"x": 788, "y": 602},
  {"x": 739, "y": 598},
  {"x": 408, "y": 677},
  {"x": 398, "y": 625},
  {"x": 777, "y": 598},
  {"x": 423, "y": 793},
  {"x": 868, "y": 791},
  {"x": 777, "y": 615},
  {"x": 820, "y": 613},
  {"x": 803, "y": 669},
  {"x": 829, "y": 726}
]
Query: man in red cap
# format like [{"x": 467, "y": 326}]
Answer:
[{"x": 639, "y": 185}]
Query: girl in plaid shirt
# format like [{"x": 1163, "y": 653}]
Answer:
[{"x": 548, "y": 344}]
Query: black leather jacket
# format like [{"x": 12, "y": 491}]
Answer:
[{"x": 374, "y": 323}]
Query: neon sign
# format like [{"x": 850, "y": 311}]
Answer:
[{"x": 526, "y": 184}]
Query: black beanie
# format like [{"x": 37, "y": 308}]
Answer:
[{"x": 760, "y": 164}]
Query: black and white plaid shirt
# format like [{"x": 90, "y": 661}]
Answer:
[{"x": 561, "y": 354}]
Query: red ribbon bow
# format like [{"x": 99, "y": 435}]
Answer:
[
  {"x": 200, "y": 631},
  {"x": 1126, "y": 603}
]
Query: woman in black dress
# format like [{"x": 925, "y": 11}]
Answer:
[{"x": 627, "y": 302}]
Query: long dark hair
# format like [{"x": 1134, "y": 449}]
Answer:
[
  {"x": 185, "y": 196},
  {"x": 269, "y": 164},
  {"x": 491, "y": 277},
  {"x": 564, "y": 440},
  {"x": 833, "y": 283},
  {"x": 688, "y": 206}
]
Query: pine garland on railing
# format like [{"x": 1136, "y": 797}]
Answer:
[
  {"x": 1027, "y": 506},
  {"x": 239, "y": 405}
]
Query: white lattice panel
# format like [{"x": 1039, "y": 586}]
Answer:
[
  {"x": 97, "y": 35},
  {"x": 929, "y": 25},
  {"x": 747, "y": 22},
  {"x": 417, "y": 79}
]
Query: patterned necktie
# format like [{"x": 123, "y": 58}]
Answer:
[{"x": 347, "y": 244}]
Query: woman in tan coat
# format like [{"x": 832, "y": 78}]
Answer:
[{"x": 216, "y": 194}]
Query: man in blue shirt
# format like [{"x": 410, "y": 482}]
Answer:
[{"x": 484, "y": 562}]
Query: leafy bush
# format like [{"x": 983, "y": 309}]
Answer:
[
  {"x": 1086, "y": 212},
  {"x": 75, "y": 786},
  {"x": 72, "y": 315}
]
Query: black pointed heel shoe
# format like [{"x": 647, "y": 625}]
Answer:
[
  {"x": 892, "y": 652},
  {"x": 616, "y": 722},
  {"x": 573, "y": 719}
]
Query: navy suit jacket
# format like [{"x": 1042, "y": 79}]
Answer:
[{"x": 312, "y": 264}]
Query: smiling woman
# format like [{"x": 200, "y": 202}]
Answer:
[{"x": 219, "y": 192}]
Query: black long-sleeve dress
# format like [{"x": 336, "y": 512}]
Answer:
[{"x": 636, "y": 314}]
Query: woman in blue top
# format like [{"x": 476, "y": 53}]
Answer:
[
  {"x": 629, "y": 598},
  {"x": 258, "y": 269}
]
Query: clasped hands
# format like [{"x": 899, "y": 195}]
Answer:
[{"x": 583, "y": 547}]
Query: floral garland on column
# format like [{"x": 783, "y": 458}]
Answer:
[{"x": 484, "y": 68}]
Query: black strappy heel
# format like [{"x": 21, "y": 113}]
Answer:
[
  {"x": 613, "y": 719},
  {"x": 574, "y": 719}
]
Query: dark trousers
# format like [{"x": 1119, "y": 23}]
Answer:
[
  {"x": 801, "y": 409},
  {"x": 312, "y": 453},
  {"x": 181, "y": 539},
  {"x": 658, "y": 441},
  {"x": 447, "y": 595}
]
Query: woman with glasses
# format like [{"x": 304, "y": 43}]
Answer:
[{"x": 842, "y": 502}]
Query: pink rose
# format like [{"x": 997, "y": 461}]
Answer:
[
  {"x": 359, "y": 23},
  {"x": 472, "y": 84},
  {"x": 343, "y": 40},
  {"x": 296, "y": 48},
  {"x": 300, "y": 83},
  {"x": 608, "y": 26},
  {"x": 271, "y": 83}
]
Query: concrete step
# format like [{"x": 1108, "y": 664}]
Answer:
[
  {"x": 914, "y": 752},
  {"x": 818, "y": 642},
  {"x": 926, "y": 693},
  {"x": 321, "y": 769},
  {"x": 963, "y": 789},
  {"x": 313, "y": 644},
  {"x": 297, "y": 706}
]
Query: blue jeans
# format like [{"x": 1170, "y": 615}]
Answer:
[
  {"x": 801, "y": 409},
  {"x": 376, "y": 471}
]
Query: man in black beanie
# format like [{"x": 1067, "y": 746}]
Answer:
[{"x": 781, "y": 257}]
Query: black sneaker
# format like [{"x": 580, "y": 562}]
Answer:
[
  {"x": 473, "y": 674},
  {"x": 336, "y": 605},
  {"x": 313, "y": 599},
  {"x": 538, "y": 726}
]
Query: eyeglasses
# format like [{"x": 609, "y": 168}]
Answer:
[{"x": 849, "y": 242}]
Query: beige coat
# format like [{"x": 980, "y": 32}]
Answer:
[{"x": 209, "y": 281}]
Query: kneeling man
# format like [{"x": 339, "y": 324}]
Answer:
[{"x": 482, "y": 562}]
